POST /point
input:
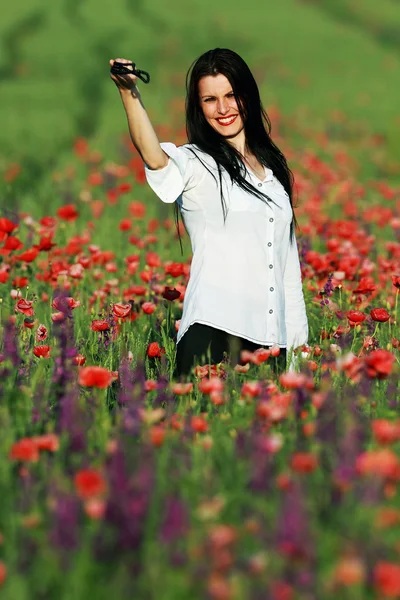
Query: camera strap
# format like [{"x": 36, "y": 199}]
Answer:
[{"x": 122, "y": 69}]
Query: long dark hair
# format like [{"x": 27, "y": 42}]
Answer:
[{"x": 257, "y": 126}]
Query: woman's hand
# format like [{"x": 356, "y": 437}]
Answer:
[{"x": 123, "y": 82}]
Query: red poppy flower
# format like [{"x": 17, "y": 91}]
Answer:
[
  {"x": 379, "y": 314},
  {"x": 382, "y": 462},
  {"x": 199, "y": 424},
  {"x": 3, "y": 572},
  {"x": 45, "y": 244},
  {"x": 385, "y": 431},
  {"x": 79, "y": 359},
  {"x": 25, "y": 450},
  {"x": 68, "y": 212},
  {"x": 304, "y": 462},
  {"x": 97, "y": 377},
  {"x": 6, "y": 225},
  {"x": 42, "y": 351},
  {"x": 121, "y": 311},
  {"x": 366, "y": 285},
  {"x": 154, "y": 350},
  {"x": 41, "y": 333},
  {"x": 396, "y": 281},
  {"x": 25, "y": 307},
  {"x": 29, "y": 255},
  {"x": 58, "y": 302},
  {"x": 153, "y": 259},
  {"x": 379, "y": 363},
  {"x": 89, "y": 484},
  {"x": 356, "y": 316},
  {"x": 125, "y": 225},
  {"x": 174, "y": 269},
  {"x": 137, "y": 209},
  {"x": 387, "y": 579},
  {"x": 148, "y": 307},
  {"x": 100, "y": 325},
  {"x": 13, "y": 243},
  {"x": 47, "y": 441},
  {"x": 49, "y": 222},
  {"x": 170, "y": 294},
  {"x": 20, "y": 282}
]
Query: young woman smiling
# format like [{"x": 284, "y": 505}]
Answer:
[{"x": 234, "y": 189}]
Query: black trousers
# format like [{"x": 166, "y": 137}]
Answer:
[{"x": 202, "y": 344}]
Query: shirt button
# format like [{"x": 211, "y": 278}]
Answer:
[
  {"x": 269, "y": 244},
  {"x": 271, "y": 220},
  {"x": 270, "y": 311},
  {"x": 271, "y": 266},
  {"x": 260, "y": 185},
  {"x": 271, "y": 289}
]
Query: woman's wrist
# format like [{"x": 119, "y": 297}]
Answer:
[{"x": 133, "y": 91}]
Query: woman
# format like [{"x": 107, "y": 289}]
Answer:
[{"x": 234, "y": 190}]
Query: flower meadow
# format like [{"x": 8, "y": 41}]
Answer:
[{"x": 117, "y": 479}]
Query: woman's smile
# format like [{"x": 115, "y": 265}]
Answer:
[{"x": 225, "y": 121}]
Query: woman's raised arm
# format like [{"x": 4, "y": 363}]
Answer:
[{"x": 142, "y": 133}]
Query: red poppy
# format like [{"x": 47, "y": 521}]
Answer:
[
  {"x": 59, "y": 301},
  {"x": 366, "y": 285},
  {"x": 6, "y": 225},
  {"x": 382, "y": 462},
  {"x": 25, "y": 307},
  {"x": 379, "y": 314},
  {"x": 3, "y": 572},
  {"x": 41, "y": 333},
  {"x": 25, "y": 450},
  {"x": 154, "y": 350},
  {"x": 396, "y": 281},
  {"x": 121, "y": 311},
  {"x": 356, "y": 316},
  {"x": 13, "y": 243},
  {"x": 20, "y": 282},
  {"x": 199, "y": 424},
  {"x": 68, "y": 212},
  {"x": 148, "y": 307},
  {"x": 45, "y": 244},
  {"x": 79, "y": 359},
  {"x": 125, "y": 225},
  {"x": 42, "y": 351},
  {"x": 29, "y": 322},
  {"x": 89, "y": 484},
  {"x": 170, "y": 294},
  {"x": 49, "y": 222},
  {"x": 124, "y": 187},
  {"x": 47, "y": 441},
  {"x": 304, "y": 462},
  {"x": 153, "y": 259},
  {"x": 174, "y": 269},
  {"x": 387, "y": 579},
  {"x": 385, "y": 431},
  {"x": 379, "y": 363},
  {"x": 100, "y": 325},
  {"x": 97, "y": 377},
  {"x": 137, "y": 209},
  {"x": 28, "y": 255}
]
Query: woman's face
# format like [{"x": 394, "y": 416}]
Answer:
[{"x": 219, "y": 106}]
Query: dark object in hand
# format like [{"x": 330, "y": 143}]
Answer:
[{"x": 122, "y": 69}]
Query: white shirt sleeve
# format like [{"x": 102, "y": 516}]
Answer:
[
  {"x": 176, "y": 177},
  {"x": 295, "y": 310}
]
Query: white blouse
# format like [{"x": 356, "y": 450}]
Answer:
[{"x": 245, "y": 275}]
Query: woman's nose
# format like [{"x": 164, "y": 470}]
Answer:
[{"x": 222, "y": 107}]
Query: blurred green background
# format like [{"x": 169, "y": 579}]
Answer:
[{"x": 313, "y": 60}]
